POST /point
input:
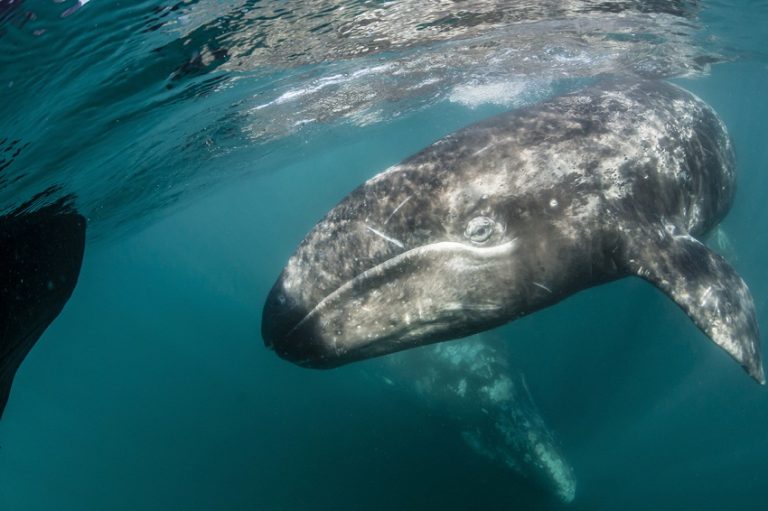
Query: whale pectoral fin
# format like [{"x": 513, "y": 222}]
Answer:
[{"x": 706, "y": 287}]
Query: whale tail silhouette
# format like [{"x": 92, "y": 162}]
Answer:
[
  {"x": 704, "y": 285},
  {"x": 41, "y": 252}
]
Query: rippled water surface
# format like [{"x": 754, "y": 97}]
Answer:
[
  {"x": 202, "y": 139},
  {"x": 137, "y": 106}
]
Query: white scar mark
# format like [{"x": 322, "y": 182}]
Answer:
[
  {"x": 397, "y": 209},
  {"x": 479, "y": 151},
  {"x": 542, "y": 286},
  {"x": 379, "y": 233}
]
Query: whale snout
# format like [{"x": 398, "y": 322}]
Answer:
[
  {"x": 281, "y": 329},
  {"x": 279, "y": 317}
]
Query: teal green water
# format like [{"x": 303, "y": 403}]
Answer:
[{"x": 153, "y": 390}]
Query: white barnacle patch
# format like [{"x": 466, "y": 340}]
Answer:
[
  {"x": 695, "y": 217},
  {"x": 459, "y": 353},
  {"x": 578, "y": 214},
  {"x": 500, "y": 390},
  {"x": 559, "y": 471},
  {"x": 461, "y": 390}
]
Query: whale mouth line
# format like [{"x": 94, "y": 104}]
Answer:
[{"x": 381, "y": 269}]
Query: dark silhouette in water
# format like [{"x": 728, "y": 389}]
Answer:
[{"x": 41, "y": 253}]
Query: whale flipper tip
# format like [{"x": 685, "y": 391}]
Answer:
[{"x": 705, "y": 286}]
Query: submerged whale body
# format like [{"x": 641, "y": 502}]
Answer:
[
  {"x": 473, "y": 384},
  {"x": 41, "y": 252},
  {"x": 516, "y": 213}
]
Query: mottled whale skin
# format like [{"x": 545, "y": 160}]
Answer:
[
  {"x": 516, "y": 213},
  {"x": 473, "y": 385}
]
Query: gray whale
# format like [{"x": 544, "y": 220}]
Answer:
[
  {"x": 473, "y": 384},
  {"x": 516, "y": 213}
]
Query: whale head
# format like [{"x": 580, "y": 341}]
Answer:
[{"x": 436, "y": 248}]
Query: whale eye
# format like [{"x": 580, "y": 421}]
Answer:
[{"x": 480, "y": 229}]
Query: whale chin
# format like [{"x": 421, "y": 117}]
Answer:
[{"x": 431, "y": 293}]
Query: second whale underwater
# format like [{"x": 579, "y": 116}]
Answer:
[{"x": 475, "y": 388}]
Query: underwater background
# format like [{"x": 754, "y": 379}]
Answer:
[{"x": 202, "y": 140}]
